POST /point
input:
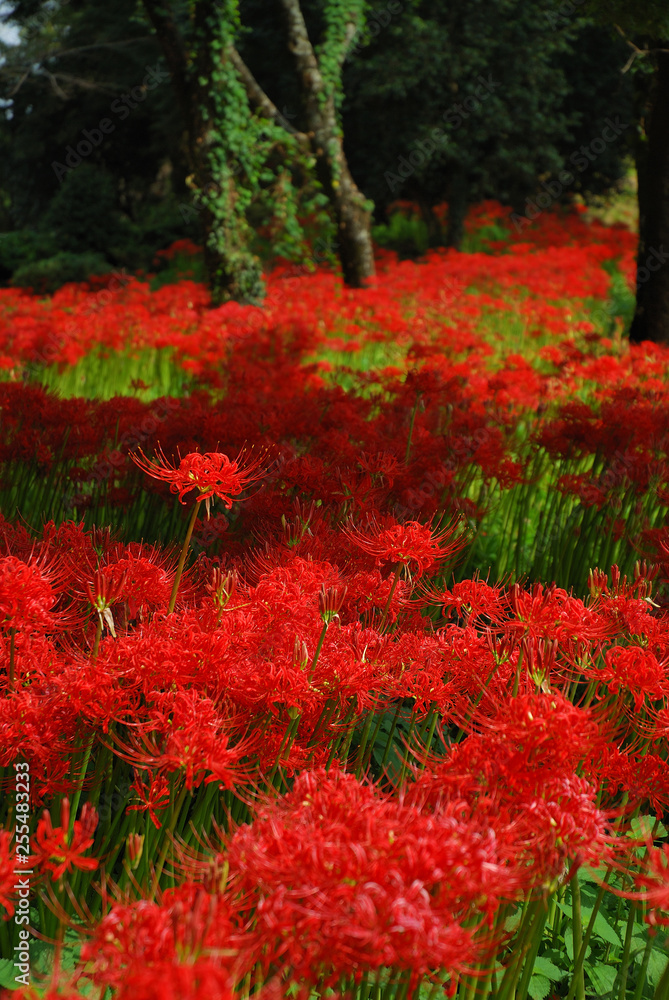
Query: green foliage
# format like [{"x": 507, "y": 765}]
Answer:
[
  {"x": 343, "y": 19},
  {"x": 510, "y": 95},
  {"x": 73, "y": 63},
  {"x": 179, "y": 266},
  {"x": 407, "y": 235},
  {"x": 479, "y": 242},
  {"x": 83, "y": 213},
  {"x": 46, "y": 276},
  {"x": 24, "y": 246}
]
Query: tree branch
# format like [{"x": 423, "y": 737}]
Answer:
[
  {"x": 636, "y": 51},
  {"x": 300, "y": 45},
  {"x": 259, "y": 99},
  {"x": 99, "y": 45}
]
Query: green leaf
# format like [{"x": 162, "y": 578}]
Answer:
[
  {"x": 595, "y": 876},
  {"x": 656, "y": 966},
  {"x": 539, "y": 987},
  {"x": 602, "y": 977},
  {"x": 544, "y": 967},
  {"x": 602, "y": 928},
  {"x": 641, "y": 828},
  {"x": 637, "y": 948},
  {"x": 8, "y": 974}
]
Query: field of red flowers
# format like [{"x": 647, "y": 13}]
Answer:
[{"x": 334, "y": 643}]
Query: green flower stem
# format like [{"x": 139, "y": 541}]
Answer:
[
  {"x": 427, "y": 737},
  {"x": 363, "y": 744},
  {"x": 318, "y": 649},
  {"x": 323, "y": 720},
  {"x": 286, "y": 744},
  {"x": 537, "y": 935},
  {"x": 643, "y": 970},
  {"x": 202, "y": 810},
  {"x": 625, "y": 965},
  {"x": 396, "y": 577},
  {"x": 393, "y": 727},
  {"x": 533, "y": 921},
  {"x": 77, "y": 795},
  {"x": 580, "y": 956},
  {"x": 577, "y": 932},
  {"x": 405, "y": 759},
  {"x": 98, "y": 636},
  {"x": 182, "y": 557},
  {"x": 176, "y": 809},
  {"x": 372, "y": 742},
  {"x": 346, "y": 744},
  {"x": 345, "y": 726}
]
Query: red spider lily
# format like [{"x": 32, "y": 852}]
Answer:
[
  {"x": 363, "y": 881},
  {"x": 212, "y": 474},
  {"x": 655, "y": 883},
  {"x": 56, "y": 850},
  {"x": 28, "y": 594},
  {"x": 142, "y": 576},
  {"x": 187, "y": 733},
  {"x": 103, "y": 591},
  {"x": 410, "y": 544},
  {"x": 187, "y": 943},
  {"x": 522, "y": 769},
  {"x": 470, "y": 598},
  {"x": 636, "y": 670},
  {"x": 154, "y": 798}
]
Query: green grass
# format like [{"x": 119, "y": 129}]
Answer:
[{"x": 101, "y": 374}]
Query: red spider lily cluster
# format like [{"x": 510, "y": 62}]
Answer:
[{"x": 319, "y": 757}]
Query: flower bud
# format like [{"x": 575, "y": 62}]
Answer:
[
  {"x": 330, "y": 601},
  {"x": 134, "y": 847}
]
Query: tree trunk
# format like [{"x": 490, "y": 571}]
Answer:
[
  {"x": 351, "y": 210},
  {"x": 352, "y": 214},
  {"x": 651, "y": 318}
]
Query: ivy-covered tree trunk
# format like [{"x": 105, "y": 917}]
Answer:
[
  {"x": 320, "y": 82},
  {"x": 651, "y": 318},
  {"x": 210, "y": 96}
]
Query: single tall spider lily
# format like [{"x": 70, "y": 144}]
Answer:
[{"x": 212, "y": 475}]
